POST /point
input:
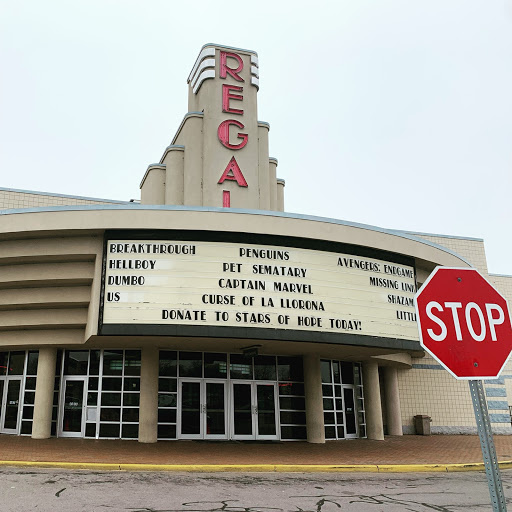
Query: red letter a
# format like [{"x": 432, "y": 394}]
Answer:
[{"x": 233, "y": 173}]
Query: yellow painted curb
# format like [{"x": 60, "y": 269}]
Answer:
[{"x": 261, "y": 468}]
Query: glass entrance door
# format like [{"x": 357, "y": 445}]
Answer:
[
  {"x": 202, "y": 410},
  {"x": 10, "y": 405},
  {"x": 242, "y": 421},
  {"x": 72, "y": 422},
  {"x": 350, "y": 412},
  {"x": 254, "y": 411},
  {"x": 266, "y": 411},
  {"x": 215, "y": 410}
]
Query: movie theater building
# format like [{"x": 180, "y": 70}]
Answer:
[{"x": 207, "y": 312}]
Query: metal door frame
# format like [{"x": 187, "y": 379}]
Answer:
[
  {"x": 354, "y": 394},
  {"x": 254, "y": 410},
  {"x": 202, "y": 409}
]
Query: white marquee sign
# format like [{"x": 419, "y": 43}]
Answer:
[{"x": 161, "y": 282}]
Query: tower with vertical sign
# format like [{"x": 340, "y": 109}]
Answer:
[{"x": 219, "y": 155}]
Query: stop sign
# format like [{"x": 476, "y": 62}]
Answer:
[{"x": 464, "y": 323}]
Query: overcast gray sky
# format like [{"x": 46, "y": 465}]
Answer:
[{"x": 394, "y": 113}]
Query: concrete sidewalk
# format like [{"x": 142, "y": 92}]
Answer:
[{"x": 405, "y": 453}]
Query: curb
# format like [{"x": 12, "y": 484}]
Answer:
[{"x": 261, "y": 468}]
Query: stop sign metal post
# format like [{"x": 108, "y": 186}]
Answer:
[{"x": 464, "y": 323}]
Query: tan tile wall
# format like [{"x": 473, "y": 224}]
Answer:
[
  {"x": 471, "y": 250},
  {"x": 12, "y": 199},
  {"x": 434, "y": 393},
  {"x": 503, "y": 284}
]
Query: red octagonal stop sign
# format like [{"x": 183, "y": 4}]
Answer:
[{"x": 464, "y": 323}]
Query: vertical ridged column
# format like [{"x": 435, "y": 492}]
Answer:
[
  {"x": 280, "y": 195},
  {"x": 273, "y": 183},
  {"x": 174, "y": 179},
  {"x": 152, "y": 188},
  {"x": 263, "y": 169}
]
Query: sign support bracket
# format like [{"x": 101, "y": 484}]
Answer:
[{"x": 492, "y": 468}]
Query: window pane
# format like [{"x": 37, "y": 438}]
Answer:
[
  {"x": 58, "y": 363},
  {"x": 293, "y": 417},
  {"x": 32, "y": 363},
  {"x": 4, "y": 356},
  {"x": 347, "y": 373},
  {"x": 90, "y": 430},
  {"x": 30, "y": 383},
  {"x": 92, "y": 398},
  {"x": 130, "y": 431},
  {"x": 290, "y": 368},
  {"x": 265, "y": 368},
  {"x": 110, "y": 414},
  {"x": 289, "y": 388},
  {"x": 191, "y": 364},
  {"x": 329, "y": 418},
  {"x": 111, "y": 384},
  {"x": 357, "y": 374},
  {"x": 94, "y": 366},
  {"x": 326, "y": 390},
  {"x": 166, "y": 400},
  {"x": 132, "y": 384},
  {"x": 166, "y": 431},
  {"x": 132, "y": 399},
  {"x": 215, "y": 366},
  {"x": 325, "y": 368},
  {"x": 169, "y": 385},
  {"x": 112, "y": 362},
  {"x": 131, "y": 415},
  {"x": 330, "y": 432},
  {"x": 336, "y": 371},
  {"x": 29, "y": 398},
  {"x": 166, "y": 415},
  {"x": 292, "y": 402},
  {"x": 167, "y": 364},
  {"x": 75, "y": 362},
  {"x": 240, "y": 367},
  {"x": 328, "y": 404},
  {"x": 110, "y": 399},
  {"x": 26, "y": 427},
  {"x": 132, "y": 362},
  {"x": 107, "y": 430},
  {"x": 293, "y": 432},
  {"x": 16, "y": 363},
  {"x": 93, "y": 382}
]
